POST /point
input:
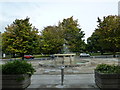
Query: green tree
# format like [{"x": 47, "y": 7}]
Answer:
[
  {"x": 73, "y": 35},
  {"x": 20, "y": 37},
  {"x": 52, "y": 40},
  {"x": 66, "y": 33},
  {"x": 109, "y": 33},
  {"x": 93, "y": 44}
]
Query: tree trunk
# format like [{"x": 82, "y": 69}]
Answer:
[
  {"x": 13, "y": 55},
  {"x": 114, "y": 54},
  {"x": 102, "y": 51},
  {"x": 22, "y": 56}
]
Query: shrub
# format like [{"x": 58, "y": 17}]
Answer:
[
  {"x": 17, "y": 67},
  {"x": 105, "y": 68}
]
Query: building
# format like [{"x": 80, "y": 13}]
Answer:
[{"x": 119, "y": 8}]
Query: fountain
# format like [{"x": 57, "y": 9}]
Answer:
[
  {"x": 61, "y": 62},
  {"x": 64, "y": 59},
  {"x": 67, "y": 59}
]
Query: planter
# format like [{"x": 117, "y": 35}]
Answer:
[
  {"x": 16, "y": 81},
  {"x": 103, "y": 80}
]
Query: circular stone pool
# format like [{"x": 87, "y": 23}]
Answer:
[{"x": 58, "y": 63}]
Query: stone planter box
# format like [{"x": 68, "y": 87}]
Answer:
[
  {"x": 16, "y": 81},
  {"x": 105, "y": 81}
]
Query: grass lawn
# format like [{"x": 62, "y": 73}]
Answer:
[
  {"x": 36, "y": 56},
  {"x": 107, "y": 53},
  {"x": 41, "y": 56}
]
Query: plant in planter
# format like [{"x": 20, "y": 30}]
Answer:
[
  {"x": 16, "y": 74},
  {"x": 107, "y": 76}
]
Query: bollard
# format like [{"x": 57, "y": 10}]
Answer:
[{"x": 62, "y": 74}]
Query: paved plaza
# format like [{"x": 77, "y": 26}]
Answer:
[
  {"x": 70, "y": 81},
  {"x": 75, "y": 77},
  {"x": 83, "y": 68}
]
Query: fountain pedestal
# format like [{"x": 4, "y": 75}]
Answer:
[{"x": 67, "y": 58}]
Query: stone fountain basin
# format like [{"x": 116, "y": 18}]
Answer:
[{"x": 50, "y": 63}]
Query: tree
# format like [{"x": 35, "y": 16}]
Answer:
[
  {"x": 93, "y": 44},
  {"x": 20, "y": 37},
  {"x": 66, "y": 33},
  {"x": 109, "y": 33},
  {"x": 73, "y": 35},
  {"x": 52, "y": 40}
]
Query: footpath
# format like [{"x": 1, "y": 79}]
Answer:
[{"x": 83, "y": 81}]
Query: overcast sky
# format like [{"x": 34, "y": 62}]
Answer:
[{"x": 43, "y": 13}]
